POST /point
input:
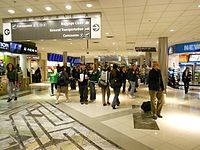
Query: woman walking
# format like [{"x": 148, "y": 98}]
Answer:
[{"x": 12, "y": 76}]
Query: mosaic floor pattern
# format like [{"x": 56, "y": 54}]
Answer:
[{"x": 44, "y": 126}]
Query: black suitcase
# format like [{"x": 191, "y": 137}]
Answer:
[
  {"x": 146, "y": 106},
  {"x": 73, "y": 84}
]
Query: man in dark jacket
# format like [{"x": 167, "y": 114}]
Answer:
[{"x": 156, "y": 88}]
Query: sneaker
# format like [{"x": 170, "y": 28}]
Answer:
[
  {"x": 159, "y": 116},
  {"x": 104, "y": 104},
  {"x": 9, "y": 99},
  {"x": 82, "y": 103},
  {"x": 52, "y": 95},
  {"x": 15, "y": 99},
  {"x": 86, "y": 102},
  {"x": 108, "y": 103}
]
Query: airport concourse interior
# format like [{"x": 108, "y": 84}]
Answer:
[{"x": 99, "y": 74}]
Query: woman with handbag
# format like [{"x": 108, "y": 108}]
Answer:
[{"x": 116, "y": 83}]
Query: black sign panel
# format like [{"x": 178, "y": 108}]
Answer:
[
  {"x": 52, "y": 29},
  {"x": 145, "y": 49},
  {"x": 29, "y": 50}
]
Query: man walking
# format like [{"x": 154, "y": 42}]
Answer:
[{"x": 156, "y": 88}]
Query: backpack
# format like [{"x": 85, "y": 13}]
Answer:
[
  {"x": 62, "y": 79},
  {"x": 146, "y": 106}
]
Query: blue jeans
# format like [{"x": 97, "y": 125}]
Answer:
[
  {"x": 92, "y": 91},
  {"x": 10, "y": 90},
  {"x": 132, "y": 88}
]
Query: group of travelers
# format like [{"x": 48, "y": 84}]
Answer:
[{"x": 105, "y": 77}]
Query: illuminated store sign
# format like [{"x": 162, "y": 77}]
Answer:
[
  {"x": 187, "y": 47},
  {"x": 4, "y": 46}
]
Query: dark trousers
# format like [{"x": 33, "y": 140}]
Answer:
[
  {"x": 92, "y": 91},
  {"x": 186, "y": 87},
  {"x": 83, "y": 91},
  {"x": 116, "y": 97},
  {"x": 124, "y": 86},
  {"x": 52, "y": 87}
]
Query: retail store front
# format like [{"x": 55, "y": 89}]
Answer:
[{"x": 181, "y": 56}]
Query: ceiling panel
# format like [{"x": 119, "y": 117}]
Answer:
[
  {"x": 155, "y": 8},
  {"x": 178, "y": 6},
  {"x": 111, "y": 3},
  {"x": 129, "y": 3},
  {"x": 134, "y": 10},
  {"x": 158, "y": 2}
]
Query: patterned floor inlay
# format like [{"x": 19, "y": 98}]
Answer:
[
  {"x": 44, "y": 126},
  {"x": 143, "y": 120}
]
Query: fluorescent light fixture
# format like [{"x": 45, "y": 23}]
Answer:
[
  {"x": 48, "y": 8},
  {"x": 29, "y": 9},
  {"x": 172, "y": 30},
  {"x": 89, "y": 5},
  {"x": 107, "y": 33},
  {"x": 69, "y": 7},
  {"x": 11, "y": 11}
]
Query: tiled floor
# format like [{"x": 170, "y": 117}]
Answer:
[{"x": 35, "y": 122}]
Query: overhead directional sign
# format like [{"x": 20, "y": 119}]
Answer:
[
  {"x": 145, "y": 49},
  {"x": 75, "y": 28}
]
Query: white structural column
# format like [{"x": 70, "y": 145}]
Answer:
[
  {"x": 23, "y": 65},
  {"x": 141, "y": 60},
  {"x": 64, "y": 57},
  {"x": 148, "y": 58},
  {"x": 163, "y": 58}
]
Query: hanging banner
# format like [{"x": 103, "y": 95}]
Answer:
[{"x": 76, "y": 28}]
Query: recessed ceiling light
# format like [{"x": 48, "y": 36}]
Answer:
[
  {"x": 29, "y": 9},
  {"x": 48, "y": 8},
  {"x": 113, "y": 43},
  {"x": 11, "y": 11},
  {"x": 69, "y": 7},
  {"x": 71, "y": 43},
  {"x": 157, "y": 42},
  {"x": 106, "y": 33},
  {"x": 172, "y": 30},
  {"x": 89, "y": 5},
  {"x": 199, "y": 5}
]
